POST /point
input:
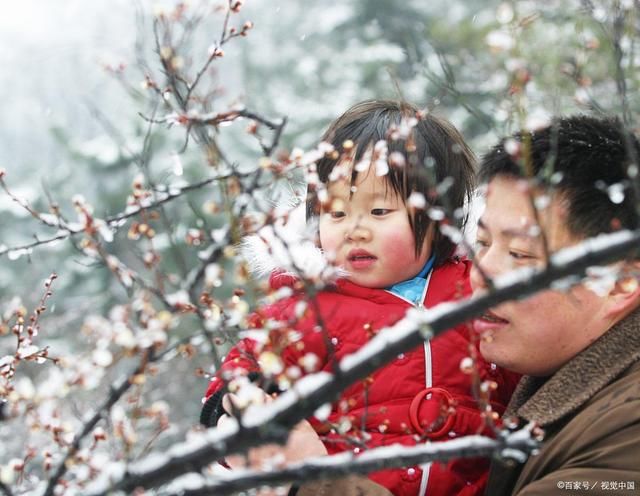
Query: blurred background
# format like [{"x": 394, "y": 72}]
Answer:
[
  {"x": 75, "y": 94},
  {"x": 68, "y": 115}
]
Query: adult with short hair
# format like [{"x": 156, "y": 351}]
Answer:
[{"x": 579, "y": 349}]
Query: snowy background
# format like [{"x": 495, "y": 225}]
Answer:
[{"x": 72, "y": 98}]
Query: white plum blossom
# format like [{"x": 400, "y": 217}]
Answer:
[
  {"x": 417, "y": 200},
  {"x": 500, "y": 41},
  {"x": 309, "y": 362},
  {"x": 270, "y": 363}
]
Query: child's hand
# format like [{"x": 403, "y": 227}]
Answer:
[{"x": 303, "y": 443}]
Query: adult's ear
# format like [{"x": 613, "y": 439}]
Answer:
[{"x": 624, "y": 297}]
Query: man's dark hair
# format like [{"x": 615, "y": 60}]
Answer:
[
  {"x": 592, "y": 162},
  {"x": 433, "y": 151}
]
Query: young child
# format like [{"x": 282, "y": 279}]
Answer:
[{"x": 373, "y": 199}]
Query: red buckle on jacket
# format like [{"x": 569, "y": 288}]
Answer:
[{"x": 430, "y": 413}]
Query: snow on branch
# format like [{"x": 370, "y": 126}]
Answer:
[
  {"x": 518, "y": 444},
  {"x": 215, "y": 119},
  {"x": 68, "y": 229},
  {"x": 270, "y": 423}
]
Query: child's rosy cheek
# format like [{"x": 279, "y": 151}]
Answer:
[
  {"x": 398, "y": 244},
  {"x": 329, "y": 242}
]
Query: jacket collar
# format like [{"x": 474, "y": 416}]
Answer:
[
  {"x": 413, "y": 289},
  {"x": 547, "y": 400}
]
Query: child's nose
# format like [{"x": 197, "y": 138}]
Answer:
[{"x": 358, "y": 233}]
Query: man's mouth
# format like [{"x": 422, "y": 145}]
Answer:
[
  {"x": 492, "y": 317},
  {"x": 487, "y": 324}
]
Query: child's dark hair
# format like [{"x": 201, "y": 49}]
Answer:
[
  {"x": 586, "y": 159},
  {"x": 433, "y": 151}
]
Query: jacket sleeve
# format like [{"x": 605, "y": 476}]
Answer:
[
  {"x": 243, "y": 358},
  {"x": 239, "y": 361}
]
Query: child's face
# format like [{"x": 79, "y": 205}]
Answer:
[{"x": 369, "y": 234}]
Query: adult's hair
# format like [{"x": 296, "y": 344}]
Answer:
[
  {"x": 589, "y": 161},
  {"x": 433, "y": 151}
]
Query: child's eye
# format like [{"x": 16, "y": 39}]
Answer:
[
  {"x": 337, "y": 214},
  {"x": 380, "y": 211}
]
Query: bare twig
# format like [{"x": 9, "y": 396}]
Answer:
[{"x": 116, "y": 393}]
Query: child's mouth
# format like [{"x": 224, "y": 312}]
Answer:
[{"x": 360, "y": 259}]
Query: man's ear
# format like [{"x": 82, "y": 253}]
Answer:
[{"x": 625, "y": 295}]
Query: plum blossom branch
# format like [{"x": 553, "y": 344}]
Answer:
[
  {"x": 215, "y": 51},
  {"x": 67, "y": 229},
  {"x": 269, "y": 423},
  {"x": 115, "y": 394},
  {"x": 215, "y": 119}
]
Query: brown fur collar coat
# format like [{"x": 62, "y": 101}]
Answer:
[{"x": 590, "y": 411}]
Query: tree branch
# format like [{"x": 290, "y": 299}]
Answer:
[
  {"x": 89, "y": 425},
  {"x": 517, "y": 444},
  {"x": 270, "y": 423},
  {"x": 113, "y": 221}
]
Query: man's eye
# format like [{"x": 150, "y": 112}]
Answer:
[
  {"x": 481, "y": 243},
  {"x": 520, "y": 256},
  {"x": 336, "y": 214},
  {"x": 380, "y": 211}
]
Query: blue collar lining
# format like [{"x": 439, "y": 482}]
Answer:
[{"x": 413, "y": 289}]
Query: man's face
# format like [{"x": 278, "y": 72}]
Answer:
[
  {"x": 538, "y": 335},
  {"x": 369, "y": 234}
]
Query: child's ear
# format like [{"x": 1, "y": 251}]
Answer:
[{"x": 625, "y": 295}]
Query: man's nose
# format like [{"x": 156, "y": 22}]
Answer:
[{"x": 485, "y": 267}]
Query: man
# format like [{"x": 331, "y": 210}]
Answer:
[{"x": 579, "y": 349}]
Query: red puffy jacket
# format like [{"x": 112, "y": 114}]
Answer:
[{"x": 422, "y": 394}]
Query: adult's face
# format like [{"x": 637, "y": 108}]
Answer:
[{"x": 538, "y": 335}]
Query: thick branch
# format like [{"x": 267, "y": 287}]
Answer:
[
  {"x": 271, "y": 423},
  {"x": 5, "y": 489},
  {"x": 520, "y": 444}
]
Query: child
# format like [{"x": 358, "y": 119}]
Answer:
[{"x": 373, "y": 199}]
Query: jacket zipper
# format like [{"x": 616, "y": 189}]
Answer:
[{"x": 428, "y": 377}]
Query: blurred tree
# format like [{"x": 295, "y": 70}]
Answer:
[{"x": 140, "y": 198}]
